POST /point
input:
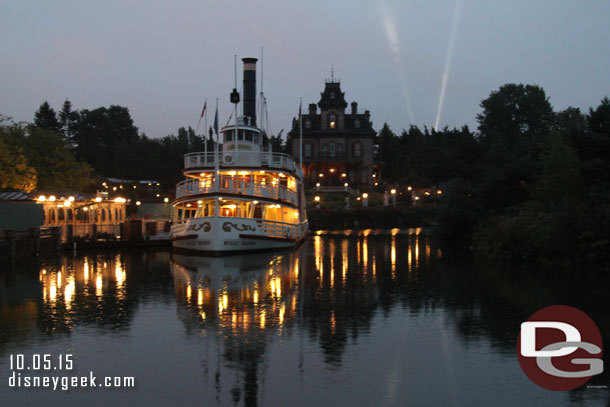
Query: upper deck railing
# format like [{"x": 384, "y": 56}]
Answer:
[
  {"x": 235, "y": 185},
  {"x": 240, "y": 159}
]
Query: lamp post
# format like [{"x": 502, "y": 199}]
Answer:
[
  {"x": 393, "y": 192},
  {"x": 365, "y": 200}
]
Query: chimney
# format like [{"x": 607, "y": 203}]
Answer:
[
  {"x": 250, "y": 89},
  {"x": 354, "y": 108},
  {"x": 312, "y": 109}
]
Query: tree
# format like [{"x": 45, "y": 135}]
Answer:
[
  {"x": 514, "y": 112},
  {"x": 390, "y": 154},
  {"x": 560, "y": 182},
  {"x": 68, "y": 121},
  {"x": 55, "y": 163},
  {"x": 15, "y": 173},
  {"x": 45, "y": 117},
  {"x": 107, "y": 139},
  {"x": 599, "y": 118}
]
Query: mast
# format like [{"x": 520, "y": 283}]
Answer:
[
  {"x": 235, "y": 131},
  {"x": 205, "y": 130},
  {"x": 301, "y": 135}
]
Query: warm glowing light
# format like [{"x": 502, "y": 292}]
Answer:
[
  {"x": 166, "y": 200},
  {"x": 332, "y": 170},
  {"x": 202, "y": 315},
  {"x": 317, "y": 184},
  {"x": 188, "y": 205},
  {"x": 202, "y": 174},
  {"x": 71, "y": 199},
  {"x": 69, "y": 293},
  {"x": 114, "y": 188},
  {"x": 416, "y": 198},
  {"x": 98, "y": 199},
  {"x": 98, "y": 285},
  {"x": 52, "y": 198},
  {"x": 439, "y": 192},
  {"x": 343, "y": 175},
  {"x": 409, "y": 188},
  {"x": 393, "y": 191},
  {"x": 67, "y": 204},
  {"x": 346, "y": 184},
  {"x": 119, "y": 274},
  {"x": 321, "y": 175},
  {"x": 232, "y": 173},
  {"x": 427, "y": 193},
  {"x": 86, "y": 208},
  {"x": 42, "y": 198},
  {"x": 316, "y": 198},
  {"x": 376, "y": 183},
  {"x": 365, "y": 195},
  {"x": 52, "y": 292},
  {"x": 138, "y": 203},
  {"x": 254, "y": 202},
  {"x": 199, "y": 202}
]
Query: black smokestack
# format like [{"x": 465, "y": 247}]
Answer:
[{"x": 250, "y": 89}]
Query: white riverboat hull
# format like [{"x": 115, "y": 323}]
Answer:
[{"x": 218, "y": 235}]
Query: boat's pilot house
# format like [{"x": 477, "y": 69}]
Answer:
[{"x": 247, "y": 139}]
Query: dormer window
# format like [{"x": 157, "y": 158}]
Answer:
[
  {"x": 332, "y": 95},
  {"x": 357, "y": 124},
  {"x": 332, "y": 121},
  {"x": 307, "y": 124}
]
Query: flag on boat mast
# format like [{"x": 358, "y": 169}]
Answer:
[
  {"x": 202, "y": 113},
  {"x": 216, "y": 119}
]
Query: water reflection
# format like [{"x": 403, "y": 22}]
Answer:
[
  {"x": 267, "y": 325},
  {"x": 89, "y": 288},
  {"x": 327, "y": 291}
]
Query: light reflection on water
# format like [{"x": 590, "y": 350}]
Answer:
[{"x": 362, "y": 318}]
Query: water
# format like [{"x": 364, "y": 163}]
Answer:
[{"x": 380, "y": 318}]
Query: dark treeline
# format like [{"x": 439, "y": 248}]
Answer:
[
  {"x": 103, "y": 142},
  {"x": 531, "y": 186}
]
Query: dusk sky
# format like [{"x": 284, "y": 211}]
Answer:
[{"x": 423, "y": 62}]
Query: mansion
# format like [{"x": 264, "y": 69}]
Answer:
[{"x": 339, "y": 147}]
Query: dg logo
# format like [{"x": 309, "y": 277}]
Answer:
[{"x": 560, "y": 348}]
